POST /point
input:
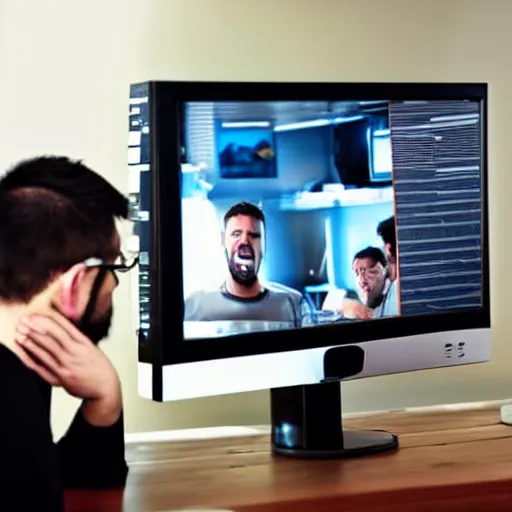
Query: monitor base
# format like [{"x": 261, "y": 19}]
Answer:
[
  {"x": 307, "y": 424},
  {"x": 356, "y": 443}
]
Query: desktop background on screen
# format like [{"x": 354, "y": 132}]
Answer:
[{"x": 296, "y": 214}]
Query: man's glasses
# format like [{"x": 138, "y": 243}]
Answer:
[{"x": 121, "y": 264}]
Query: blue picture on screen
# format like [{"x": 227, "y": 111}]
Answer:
[{"x": 245, "y": 152}]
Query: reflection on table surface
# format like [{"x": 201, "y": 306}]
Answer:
[{"x": 217, "y": 328}]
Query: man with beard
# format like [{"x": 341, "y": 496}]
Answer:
[
  {"x": 242, "y": 297},
  {"x": 59, "y": 252},
  {"x": 372, "y": 282}
]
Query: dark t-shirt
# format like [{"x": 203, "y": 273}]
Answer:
[{"x": 34, "y": 470}]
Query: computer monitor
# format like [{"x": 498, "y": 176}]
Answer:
[{"x": 295, "y": 235}]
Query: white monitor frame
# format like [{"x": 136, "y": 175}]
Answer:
[{"x": 300, "y": 367}]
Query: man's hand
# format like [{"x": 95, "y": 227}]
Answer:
[
  {"x": 351, "y": 308},
  {"x": 61, "y": 355}
]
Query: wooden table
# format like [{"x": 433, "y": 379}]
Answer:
[{"x": 448, "y": 461}]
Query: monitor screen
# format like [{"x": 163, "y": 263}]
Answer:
[{"x": 273, "y": 237}]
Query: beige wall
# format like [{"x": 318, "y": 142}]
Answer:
[{"x": 65, "y": 67}]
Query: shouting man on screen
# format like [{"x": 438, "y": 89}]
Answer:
[
  {"x": 242, "y": 303},
  {"x": 59, "y": 251}
]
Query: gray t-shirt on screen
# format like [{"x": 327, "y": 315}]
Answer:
[{"x": 276, "y": 303}]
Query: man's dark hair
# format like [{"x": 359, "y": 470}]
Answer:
[
  {"x": 244, "y": 208},
  {"x": 54, "y": 213},
  {"x": 372, "y": 253},
  {"x": 387, "y": 231}
]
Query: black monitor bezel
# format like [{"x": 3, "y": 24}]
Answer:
[{"x": 166, "y": 326}]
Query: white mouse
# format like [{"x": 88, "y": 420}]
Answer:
[{"x": 506, "y": 414}]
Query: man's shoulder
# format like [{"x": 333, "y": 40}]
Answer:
[
  {"x": 13, "y": 370},
  {"x": 203, "y": 294},
  {"x": 28, "y": 452},
  {"x": 278, "y": 288},
  {"x": 391, "y": 300},
  {"x": 18, "y": 385}
]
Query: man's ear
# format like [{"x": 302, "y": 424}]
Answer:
[{"x": 72, "y": 291}]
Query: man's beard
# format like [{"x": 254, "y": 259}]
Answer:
[
  {"x": 372, "y": 299},
  {"x": 95, "y": 330},
  {"x": 242, "y": 266}
]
